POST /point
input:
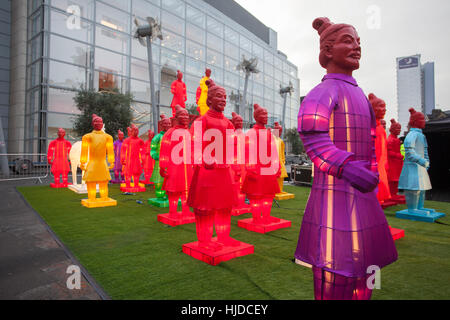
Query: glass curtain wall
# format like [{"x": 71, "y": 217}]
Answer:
[{"x": 90, "y": 44}]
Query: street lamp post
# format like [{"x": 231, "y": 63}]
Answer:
[
  {"x": 284, "y": 92},
  {"x": 150, "y": 31},
  {"x": 249, "y": 67}
]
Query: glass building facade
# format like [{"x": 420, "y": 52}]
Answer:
[{"x": 90, "y": 44}]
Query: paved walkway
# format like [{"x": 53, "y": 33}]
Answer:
[{"x": 33, "y": 262}]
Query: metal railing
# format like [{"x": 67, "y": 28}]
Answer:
[{"x": 20, "y": 166}]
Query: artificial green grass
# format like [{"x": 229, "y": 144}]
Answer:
[{"x": 133, "y": 256}]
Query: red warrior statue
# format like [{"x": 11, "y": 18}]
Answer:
[
  {"x": 395, "y": 160},
  {"x": 57, "y": 156},
  {"x": 149, "y": 162},
  {"x": 131, "y": 159},
  {"x": 211, "y": 193},
  {"x": 176, "y": 169},
  {"x": 261, "y": 182},
  {"x": 178, "y": 89}
]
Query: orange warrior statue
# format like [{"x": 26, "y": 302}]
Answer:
[
  {"x": 57, "y": 156},
  {"x": 178, "y": 89},
  {"x": 176, "y": 169},
  {"x": 132, "y": 161},
  {"x": 379, "y": 107},
  {"x": 239, "y": 165},
  {"x": 149, "y": 162},
  {"x": 97, "y": 145},
  {"x": 202, "y": 94}
]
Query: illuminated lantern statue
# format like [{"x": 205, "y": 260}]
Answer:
[
  {"x": 262, "y": 171},
  {"x": 379, "y": 108},
  {"x": 118, "y": 175},
  {"x": 149, "y": 162},
  {"x": 202, "y": 94},
  {"x": 125, "y": 176},
  {"x": 176, "y": 169},
  {"x": 280, "y": 147},
  {"x": 344, "y": 230},
  {"x": 211, "y": 192},
  {"x": 98, "y": 145},
  {"x": 239, "y": 165},
  {"x": 131, "y": 159},
  {"x": 57, "y": 156},
  {"x": 414, "y": 179},
  {"x": 161, "y": 196},
  {"x": 178, "y": 89},
  {"x": 395, "y": 161}
]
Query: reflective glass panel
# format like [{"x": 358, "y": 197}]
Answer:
[
  {"x": 69, "y": 50},
  {"x": 110, "y": 62},
  {"x": 214, "y": 42},
  {"x": 111, "y": 39},
  {"x": 173, "y": 41},
  {"x": 172, "y": 23},
  {"x": 195, "y": 16},
  {"x": 195, "y": 33},
  {"x": 112, "y": 18},
  {"x": 214, "y": 58},
  {"x": 214, "y": 26},
  {"x": 175, "y": 6},
  {"x": 144, "y": 9},
  {"x": 195, "y": 50},
  {"x": 61, "y": 25},
  {"x": 66, "y": 75}
]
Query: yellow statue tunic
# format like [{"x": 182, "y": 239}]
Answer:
[
  {"x": 97, "y": 144},
  {"x": 203, "y": 96}
]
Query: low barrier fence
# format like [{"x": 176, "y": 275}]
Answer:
[{"x": 19, "y": 166}]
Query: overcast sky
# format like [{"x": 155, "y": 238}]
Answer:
[{"x": 404, "y": 27}]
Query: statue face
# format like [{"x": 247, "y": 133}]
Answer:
[
  {"x": 262, "y": 117},
  {"x": 395, "y": 129},
  {"x": 61, "y": 133},
  {"x": 151, "y": 134},
  {"x": 238, "y": 123},
  {"x": 120, "y": 136},
  {"x": 183, "y": 118},
  {"x": 219, "y": 100},
  {"x": 166, "y": 125},
  {"x": 346, "y": 50},
  {"x": 380, "y": 110},
  {"x": 208, "y": 73},
  {"x": 278, "y": 130},
  {"x": 179, "y": 76},
  {"x": 134, "y": 132},
  {"x": 98, "y": 124}
]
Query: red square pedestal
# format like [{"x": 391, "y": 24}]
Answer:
[
  {"x": 215, "y": 257},
  {"x": 59, "y": 185},
  {"x": 139, "y": 188},
  {"x": 176, "y": 220},
  {"x": 397, "y": 233},
  {"x": 240, "y": 210},
  {"x": 264, "y": 227}
]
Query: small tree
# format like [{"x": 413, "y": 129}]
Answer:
[
  {"x": 293, "y": 138},
  {"x": 112, "y": 106}
]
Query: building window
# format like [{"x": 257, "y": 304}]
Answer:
[
  {"x": 106, "y": 81},
  {"x": 195, "y": 16},
  {"x": 67, "y": 75},
  {"x": 172, "y": 41},
  {"x": 214, "y": 58},
  {"x": 215, "y": 27},
  {"x": 172, "y": 22},
  {"x": 144, "y": 9},
  {"x": 69, "y": 51},
  {"x": 58, "y": 24},
  {"x": 231, "y": 36},
  {"x": 195, "y": 50},
  {"x": 214, "y": 42},
  {"x": 195, "y": 67},
  {"x": 232, "y": 51},
  {"x": 112, "y": 18},
  {"x": 195, "y": 33},
  {"x": 86, "y": 6},
  {"x": 111, "y": 39},
  {"x": 175, "y": 6},
  {"x": 113, "y": 62}
]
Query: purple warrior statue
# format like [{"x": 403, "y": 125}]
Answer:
[
  {"x": 344, "y": 230},
  {"x": 118, "y": 175}
]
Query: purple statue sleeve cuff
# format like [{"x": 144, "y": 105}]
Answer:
[
  {"x": 324, "y": 154},
  {"x": 359, "y": 176}
]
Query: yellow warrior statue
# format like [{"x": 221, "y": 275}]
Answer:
[
  {"x": 97, "y": 144},
  {"x": 280, "y": 147}
]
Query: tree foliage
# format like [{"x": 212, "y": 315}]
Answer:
[
  {"x": 112, "y": 106},
  {"x": 294, "y": 140}
]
